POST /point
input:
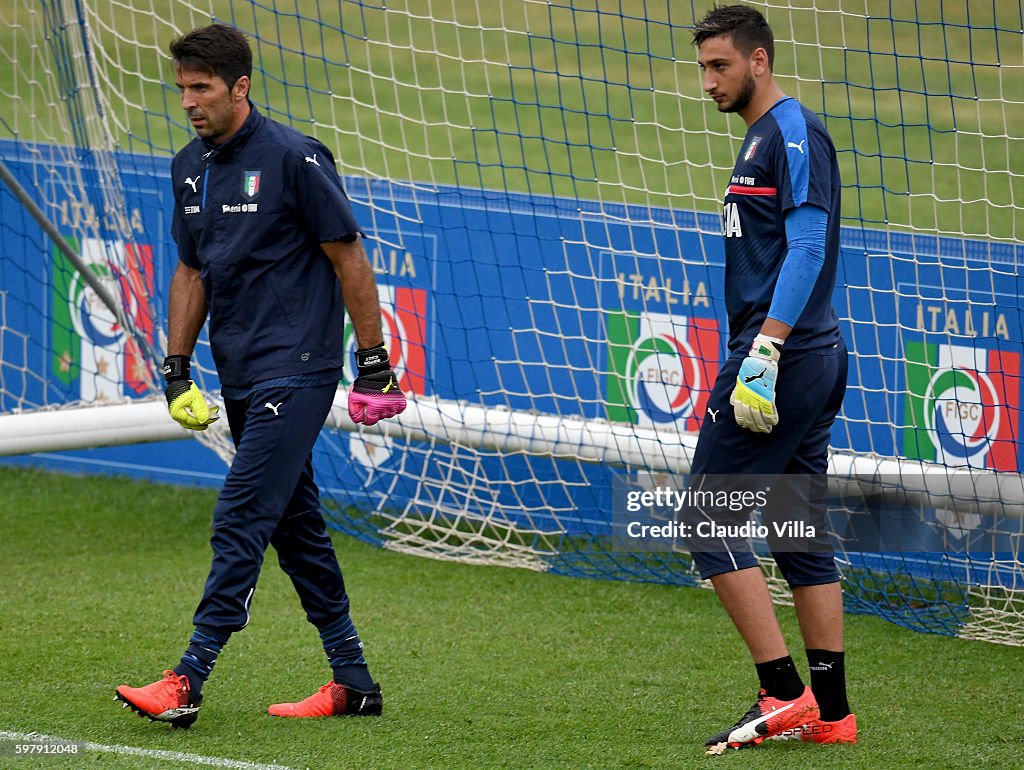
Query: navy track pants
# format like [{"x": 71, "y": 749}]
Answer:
[{"x": 269, "y": 497}]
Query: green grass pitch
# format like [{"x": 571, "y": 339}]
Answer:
[{"x": 481, "y": 667}]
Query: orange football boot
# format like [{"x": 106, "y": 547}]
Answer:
[
  {"x": 819, "y": 731},
  {"x": 766, "y": 718},
  {"x": 333, "y": 700},
  {"x": 166, "y": 700}
]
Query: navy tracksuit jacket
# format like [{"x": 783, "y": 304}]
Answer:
[{"x": 250, "y": 216}]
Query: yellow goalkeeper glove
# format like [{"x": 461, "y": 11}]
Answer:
[
  {"x": 185, "y": 401},
  {"x": 753, "y": 397}
]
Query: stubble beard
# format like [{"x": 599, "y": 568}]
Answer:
[{"x": 743, "y": 98}]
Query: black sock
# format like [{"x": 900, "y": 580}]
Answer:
[
  {"x": 199, "y": 658},
  {"x": 779, "y": 678},
  {"x": 828, "y": 681}
]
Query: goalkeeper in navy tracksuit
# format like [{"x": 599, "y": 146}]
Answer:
[
  {"x": 269, "y": 249},
  {"x": 777, "y": 395}
]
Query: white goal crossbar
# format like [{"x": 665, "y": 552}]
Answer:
[{"x": 510, "y": 432}]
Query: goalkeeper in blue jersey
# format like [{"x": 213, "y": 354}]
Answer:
[
  {"x": 270, "y": 251},
  {"x": 777, "y": 395}
]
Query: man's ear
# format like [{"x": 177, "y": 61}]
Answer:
[
  {"x": 240, "y": 90},
  {"x": 759, "y": 61}
]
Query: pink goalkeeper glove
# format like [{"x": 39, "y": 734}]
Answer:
[{"x": 375, "y": 394}]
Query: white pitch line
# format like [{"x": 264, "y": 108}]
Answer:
[{"x": 167, "y": 756}]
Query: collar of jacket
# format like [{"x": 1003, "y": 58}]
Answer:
[{"x": 227, "y": 150}]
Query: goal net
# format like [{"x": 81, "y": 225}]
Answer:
[{"x": 540, "y": 185}]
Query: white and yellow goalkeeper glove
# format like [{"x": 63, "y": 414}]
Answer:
[
  {"x": 185, "y": 401},
  {"x": 753, "y": 397}
]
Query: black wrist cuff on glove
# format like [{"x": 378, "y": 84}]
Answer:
[
  {"x": 176, "y": 388},
  {"x": 177, "y": 368},
  {"x": 372, "y": 360}
]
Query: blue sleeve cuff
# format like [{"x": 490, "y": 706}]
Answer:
[{"x": 806, "y": 227}]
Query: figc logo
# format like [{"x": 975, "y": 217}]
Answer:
[
  {"x": 661, "y": 368},
  {"x": 963, "y": 406},
  {"x": 92, "y": 353}
]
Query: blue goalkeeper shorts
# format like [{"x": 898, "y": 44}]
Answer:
[{"x": 808, "y": 396}]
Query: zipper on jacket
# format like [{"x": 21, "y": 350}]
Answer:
[{"x": 206, "y": 175}]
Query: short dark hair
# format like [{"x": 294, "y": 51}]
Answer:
[
  {"x": 218, "y": 49},
  {"x": 745, "y": 25}
]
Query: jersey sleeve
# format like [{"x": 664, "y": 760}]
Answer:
[
  {"x": 803, "y": 162},
  {"x": 182, "y": 237},
  {"x": 322, "y": 203},
  {"x": 806, "y": 230}
]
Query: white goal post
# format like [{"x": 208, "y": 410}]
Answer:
[{"x": 507, "y": 432}]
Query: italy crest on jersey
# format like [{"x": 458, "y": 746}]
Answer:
[
  {"x": 751, "y": 148},
  {"x": 250, "y": 184}
]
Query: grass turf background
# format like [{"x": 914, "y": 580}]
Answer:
[{"x": 481, "y": 667}]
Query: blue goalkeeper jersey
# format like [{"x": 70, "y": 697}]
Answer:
[
  {"x": 250, "y": 215},
  {"x": 787, "y": 160}
]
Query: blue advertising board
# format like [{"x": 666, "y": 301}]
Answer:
[{"x": 552, "y": 306}]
